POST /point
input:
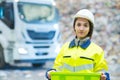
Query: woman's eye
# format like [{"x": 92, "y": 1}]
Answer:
[
  {"x": 86, "y": 25},
  {"x": 78, "y": 24}
]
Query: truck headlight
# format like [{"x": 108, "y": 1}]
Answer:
[
  {"x": 55, "y": 26},
  {"x": 22, "y": 51},
  {"x": 57, "y": 49}
]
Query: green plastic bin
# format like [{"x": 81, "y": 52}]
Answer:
[{"x": 74, "y": 76}]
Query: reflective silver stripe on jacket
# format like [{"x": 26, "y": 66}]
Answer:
[{"x": 76, "y": 68}]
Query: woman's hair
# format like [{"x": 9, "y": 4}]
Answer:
[{"x": 91, "y": 28}]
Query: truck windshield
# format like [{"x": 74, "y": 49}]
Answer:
[{"x": 37, "y": 12}]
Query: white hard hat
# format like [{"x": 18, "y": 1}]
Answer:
[{"x": 85, "y": 13}]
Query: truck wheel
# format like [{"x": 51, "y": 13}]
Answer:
[{"x": 2, "y": 61}]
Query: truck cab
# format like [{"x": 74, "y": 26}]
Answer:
[{"x": 29, "y": 31}]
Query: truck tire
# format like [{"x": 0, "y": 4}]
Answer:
[{"x": 2, "y": 60}]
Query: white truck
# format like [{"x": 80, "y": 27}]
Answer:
[{"x": 29, "y": 31}]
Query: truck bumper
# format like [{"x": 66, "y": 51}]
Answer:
[{"x": 34, "y": 60}]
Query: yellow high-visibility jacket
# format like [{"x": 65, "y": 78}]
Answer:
[{"x": 80, "y": 59}]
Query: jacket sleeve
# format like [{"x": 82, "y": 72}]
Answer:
[
  {"x": 100, "y": 62},
  {"x": 59, "y": 59}
]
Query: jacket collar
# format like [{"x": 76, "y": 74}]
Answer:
[{"x": 84, "y": 44}]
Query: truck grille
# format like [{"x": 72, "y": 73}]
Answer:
[
  {"x": 37, "y": 47},
  {"x": 41, "y": 35}
]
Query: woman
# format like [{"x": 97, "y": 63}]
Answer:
[{"x": 81, "y": 54}]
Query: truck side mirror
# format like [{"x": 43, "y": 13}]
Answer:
[{"x": 1, "y": 13}]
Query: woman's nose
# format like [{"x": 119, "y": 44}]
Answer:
[{"x": 81, "y": 28}]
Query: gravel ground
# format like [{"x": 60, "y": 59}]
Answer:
[
  {"x": 24, "y": 72},
  {"x": 38, "y": 73}
]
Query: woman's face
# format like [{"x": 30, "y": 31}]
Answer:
[{"x": 82, "y": 27}]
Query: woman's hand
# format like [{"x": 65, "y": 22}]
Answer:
[
  {"x": 103, "y": 76},
  {"x": 48, "y": 73}
]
